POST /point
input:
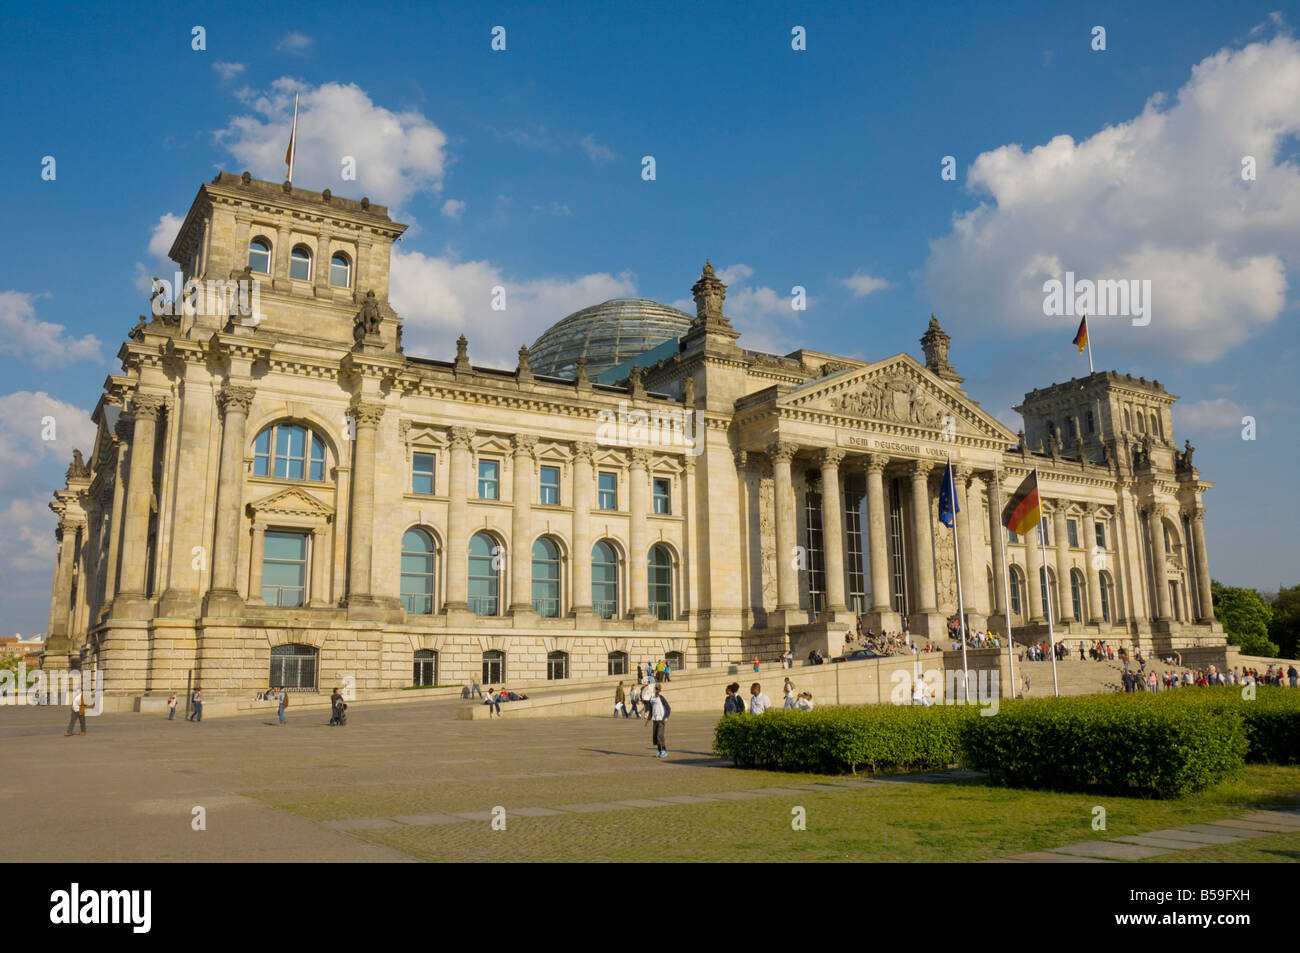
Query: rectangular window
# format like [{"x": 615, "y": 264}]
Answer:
[
  {"x": 607, "y": 491},
  {"x": 489, "y": 480},
  {"x": 1012, "y": 537},
  {"x": 1072, "y": 531},
  {"x": 550, "y": 486},
  {"x": 422, "y": 473},
  {"x": 1101, "y": 535},
  {"x": 284, "y": 569},
  {"x": 661, "y": 496}
]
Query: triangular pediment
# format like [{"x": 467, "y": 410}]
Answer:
[
  {"x": 897, "y": 391},
  {"x": 291, "y": 502}
]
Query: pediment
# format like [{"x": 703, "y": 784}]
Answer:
[
  {"x": 897, "y": 391},
  {"x": 291, "y": 502}
]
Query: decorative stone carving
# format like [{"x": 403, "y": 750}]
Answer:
[
  {"x": 782, "y": 450},
  {"x": 1183, "y": 458},
  {"x": 461, "y": 437},
  {"x": 366, "y": 412},
  {"x": 876, "y": 463},
  {"x": 832, "y": 457},
  {"x": 78, "y": 470},
  {"x": 583, "y": 380},
  {"x": 935, "y": 345},
  {"x": 767, "y": 539},
  {"x": 742, "y": 459},
  {"x": 366, "y": 323},
  {"x": 462, "y": 353},
  {"x": 146, "y": 405},
  {"x": 525, "y": 444},
  {"x": 584, "y": 451},
  {"x": 920, "y": 468},
  {"x": 634, "y": 383},
  {"x": 640, "y": 457},
  {"x": 688, "y": 392},
  {"x": 232, "y": 397},
  {"x": 524, "y": 369},
  {"x": 898, "y": 398},
  {"x": 709, "y": 294}
]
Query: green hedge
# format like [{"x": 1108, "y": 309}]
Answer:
[
  {"x": 837, "y": 739},
  {"x": 1138, "y": 744},
  {"x": 1272, "y": 718}
]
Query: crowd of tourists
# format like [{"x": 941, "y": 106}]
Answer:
[
  {"x": 1141, "y": 680},
  {"x": 734, "y": 703}
]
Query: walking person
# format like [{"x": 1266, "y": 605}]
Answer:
[
  {"x": 733, "y": 704},
  {"x": 336, "y": 700},
  {"x": 620, "y": 701},
  {"x": 78, "y": 712},
  {"x": 474, "y": 689},
  {"x": 197, "y": 701},
  {"x": 789, "y": 694},
  {"x": 171, "y": 707},
  {"x": 758, "y": 702},
  {"x": 657, "y": 714},
  {"x": 283, "y": 702}
]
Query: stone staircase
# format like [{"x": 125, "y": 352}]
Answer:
[{"x": 1073, "y": 677}]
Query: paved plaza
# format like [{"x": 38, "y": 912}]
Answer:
[{"x": 412, "y": 782}]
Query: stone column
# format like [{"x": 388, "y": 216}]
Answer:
[
  {"x": 280, "y": 258},
  {"x": 1034, "y": 556},
  {"x": 317, "y": 596},
  {"x": 689, "y": 518},
  {"x": 583, "y": 492},
  {"x": 521, "y": 525},
  {"x": 878, "y": 538},
  {"x": 1065, "y": 611},
  {"x": 145, "y": 409},
  {"x": 787, "y": 578},
  {"x": 1204, "y": 598},
  {"x": 1155, "y": 528},
  {"x": 997, "y": 546},
  {"x": 61, "y": 593},
  {"x": 320, "y": 275},
  {"x": 1093, "y": 570},
  {"x": 833, "y": 530},
  {"x": 460, "y": 477},
  {"x": 234, "y": 402},
  {"x": 366, "y": 416},
  {"x": 966, "y": 552},
  {"x": 922, "y": 538},
  {"x": 255, "y": 563},
  {"x": 639, "y": 535},
  {"x": 115, "y": 520}
]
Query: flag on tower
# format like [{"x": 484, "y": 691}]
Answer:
[
  {"x": 1081, "y": 338},
  {"x": 1024, "y": 510},
  {"x": 293, "y": 135},
  {"x": 948, "y": 498}
]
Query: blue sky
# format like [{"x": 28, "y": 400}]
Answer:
[{"x": 818, "y": 168}]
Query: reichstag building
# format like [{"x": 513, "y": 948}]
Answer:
[{"x": 289, "y": 496}]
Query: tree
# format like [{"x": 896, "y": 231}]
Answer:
[
  {"x": 1284, "y": 629},
  {"x": 1245, "y": 617}
]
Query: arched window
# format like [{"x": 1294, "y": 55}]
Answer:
[
  {"x": 661, "y": 582},
  {"x": 1156, "y": 427},
  {"x": 546, "y": 578},
  {"x": 1142, "y": 422},
  {"x": 289, "y": 451},
  {"x": 1016, "y": 585},
  {"x": 426, "y": 668},
  {"x": 1128, "y": 421},
  {"x": 1107, "y": 595},
  {"x": 300, "y": 263},
  {"x": 484, "y": 575},
  {"x": 557, "y": 666},
  {"x": 675, "y": 661},
  {"x": 294, "y": 667},
  {"x": 617, "y": 663},
  {"x": 417, "y": 572},
  {"x": 1046, "y": 580},
  {"x": 494, "y": 667},
  {"x": 1076, "y": 594},
  {"x": 340, "y": 270},
  {"x": 1092, "y": 424},
  {"x": 259, "y": 255},
  {"x": 604, "y": 580}
]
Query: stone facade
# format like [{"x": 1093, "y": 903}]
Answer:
[{"x": 292, "y": 485}]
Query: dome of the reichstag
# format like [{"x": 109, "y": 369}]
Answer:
[{"x": 607, "y": 334}]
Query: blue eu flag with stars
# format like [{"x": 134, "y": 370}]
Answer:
[{"x": 948, "y": 498}]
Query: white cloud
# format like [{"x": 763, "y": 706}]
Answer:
[
  {"x": 42, "y": 342},
  {"x": 439, "y": 298},
  {"x": 295, "y": 42},
  {"x": 397, "y": 154},
  {"x": 763, "y": 316},
  {"x": 1158, "y": 197},
  {"x": 453, "y": 209},
  {"x": 553, "y": 208},
  {"x": 595, "y": 151},
  {"x": 863, "y": 284},
  {"x": 160, "y": 242},
  {"x": 1216, "y": 414},
  {"x": 228, "y": 71},
  {"x": 23, "y": 425},
  {"x": 27, "y": 545}
]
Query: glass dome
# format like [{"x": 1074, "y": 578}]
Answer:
[{"x": 607, "y": 334}]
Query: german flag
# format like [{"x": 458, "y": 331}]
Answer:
[
  {"x": 1081, "y": 339},
  {"x": 1025, "y": 509}
]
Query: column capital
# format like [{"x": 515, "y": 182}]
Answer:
[
  {"x": 259, "y": 526},
  {"x": 235, "y": 398},
  {"x": 584, "y": 451},
  {"x": 741, "y": 458},
  {"x": 366, "y": 412},
  {"x": 1195, "y": 513},
  {"x": 962, "y": 472},
  {"x": 640, "y": 457},
  {"x": 920, "y": 469},
  {"x": 524, "y": 444},
  {"x": 832, "y": 458},
  {"x": 782, "y": 450},
  {"x": 124, "y": 427},
  {"x": 146, "y": 406},
  {"x": 461, "y": 437},
  {"x": 876, "y": 463}
]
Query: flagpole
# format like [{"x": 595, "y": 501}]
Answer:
[
  {"x": 1088, "y": 340},
  {"x": 1044, "y": 581},
  {"x": 1006, "y": 585},
  {"x": 956, "y": 553},
  {"x": 293, "y": 137}
]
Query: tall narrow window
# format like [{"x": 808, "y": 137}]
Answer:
[
  {"x": 489, "y": 480},
  {"x": 546, "y": 578},
  {"x": 662, "y": 489},
  {"x": 853, "y": 501},
  {"x": 604, "y": 580},
  {"x": 422, "y": 472},
  {"x": 259, "y": 255},
  {"x": 426, "y": 668},
  {"x": 484, "y": 575},
  {"x": 616, "y": 663},
  {"x": 300, "y": 263},
  {"x": 1107, "y": 595},
  {"x": 1015, "y": 585},
  {"x": 340, "y": 271},
  {"x": 550, "y": 484},
  {"x": 897, "y": 550},
  {"x": 494, "y": 667},
  {"x": 816, "y": 554},
  {"x": 417, "y": 572},
  {"x": 1101, "y": 534},
  {"x": 1072, "y": 532},
  {"x": 1076, "y": 594},
  {"x": 607, "y": 492},
  {"x": 284, "y": 568},
  {"x": 557, "y": 666},
  {"x": 661, "y": 582}
]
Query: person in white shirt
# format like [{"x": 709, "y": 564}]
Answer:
[
  {"x": 758, "y": 702},
  {"x": 790, "y": 697},
  {"x": 657, "y": 715},
  {"x": 805, "y": 702},
  {"x": 78, "y": 712},
  {"x": 919, "y": 695}
]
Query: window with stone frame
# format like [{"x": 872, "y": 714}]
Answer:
[
  {"x": 549, "y": 479},
  {"x": 662, "y": 496},
  {"x": 422, "y": 470},
  {"x": 489, "y": 480},
  {"x": 607, "y": 490},
  {"x": 1072, "y": 533}
]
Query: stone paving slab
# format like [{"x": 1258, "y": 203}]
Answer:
[
  {"x": 533, "y": 811},
  {"x": 1046, "y": 857},
  {"x": 1216, "y": 829},
  {"x": 1196, "y": 836},
  {"x": 736, "y": 795},
  {"x": 644, "y": 802},
  {"x": 475, "y": 815},
  {"x": 778, "y": 791},
  {"x": 428, "y": 820},
  {"x": 1111, "y": 850},
  {"x": 689, "y": 798},
  {"x": 1255, "y": 826},
  {"x": 1275, "y": 817},
  {"x": 1146, "y": 840},
  {"x": 594, "y": 808},
  {"x": 361, "y": 824}
]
